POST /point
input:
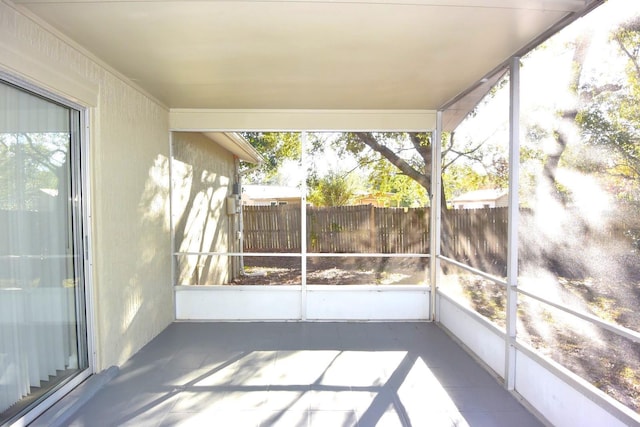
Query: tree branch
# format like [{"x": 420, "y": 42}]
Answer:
[
  {"x": 423, "y": 150},
  {"x": 421, "y": 178},
  {"x": 632, "y": 57}
]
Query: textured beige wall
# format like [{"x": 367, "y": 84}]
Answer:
[
  {"x": 203, "y": 173},
  {"x": 129, "y": 183}
]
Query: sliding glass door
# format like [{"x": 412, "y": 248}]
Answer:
[{"x": 43, "y": 334}]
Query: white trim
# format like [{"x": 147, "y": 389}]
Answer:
[
  {"x": 322, "y": 303},
  {"x": 555, "y": 5},
  {"x": 369, "y": 288},
  {"x": 547, "y": 400},
  {"x": 627, "y": 333},
  {"x": 69, "y": 79},
  {"x": 199, "y": 120},
  {"x": 472, "y": 313},
  {"x": 172, "y": 236},
  {"x": 473, "y": 270},
  {"x": 236, "y": 144},
  {"x": 21, "y": 58},
  {"x": 87, "y": 239},
  {"x": 84, "y": 240},
  {"x": 303, "y": 229},
  {"x": 614, "y": 408},
  {"x": 311, "y": 254},
  {"x": 52, "y": 399},
  {"x": 482, "y": 337},
  {"x": 512, "y": 223},
  {"x": 367, "y": 303},
  {"x": 436, "y": 212}
]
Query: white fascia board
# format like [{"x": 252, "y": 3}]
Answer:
[
  {"x": 211, "y": 120},
  {"x": 502, "y": 4}
]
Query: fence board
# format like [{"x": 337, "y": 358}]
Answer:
[
  {"x": 344, "y": 229},
  {"x": 477, "y": 237}
]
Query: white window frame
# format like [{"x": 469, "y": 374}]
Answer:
[{"x": 81, "y": 172}]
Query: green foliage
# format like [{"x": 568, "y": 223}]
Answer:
[
  {"x": 388, "y": 181},
  {"x": 610, "y": 120},
  {"x": 29, "y": 164},
  {"x": 459, "y": 179},
  {"x": 398, "y": 164},
  {"x": 394, "y": 165},
  {"x": 331, "y": 190},
  {"x": 275, "y": 147}
]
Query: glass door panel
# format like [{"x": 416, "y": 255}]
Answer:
[{"x": 42, "y": 326}]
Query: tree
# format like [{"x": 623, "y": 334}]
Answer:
[
  {"x": 29, "y": 164},
  {"x": 610, "y": 118},
  {"x": 331, "y": 190},
  {"x": 410, "y": 154},
  {"x": 386, "y": 181},
  {"x": 275, "y": 147},
  {"x": 395, "y": 162},
  {"x": 606, "y": 113}
]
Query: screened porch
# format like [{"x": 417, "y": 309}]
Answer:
[{"x": 139, "y": 287}]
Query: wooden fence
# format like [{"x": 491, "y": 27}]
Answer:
[
  {"x": 271, "y": 228},
  {"x": 345, "y": 229},
  {"x": 477, "y": 237},
  {"x": 364, "y": 228},
  {"x": 367, "y": 229}
]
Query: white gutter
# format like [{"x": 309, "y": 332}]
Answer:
[{"x": 237, "y": 145}]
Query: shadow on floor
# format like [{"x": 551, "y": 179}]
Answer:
[{"x": 303, "y": 374}]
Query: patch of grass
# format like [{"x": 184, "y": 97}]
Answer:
[
  {"x": 487, "y": 298},
  {"x": 606, "y": 308}
]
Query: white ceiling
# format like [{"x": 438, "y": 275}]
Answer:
[{"x": 304, "y": 54}]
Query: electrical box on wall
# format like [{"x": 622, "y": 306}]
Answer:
[{"x": 233, "y": 205}]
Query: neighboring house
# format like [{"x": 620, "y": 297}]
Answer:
[
  {"x": 270, "y": 195},
  {"x": 481, "y": 199},
  {"x": 379, "y": 200},
  {"x": 205, "y": 204}
]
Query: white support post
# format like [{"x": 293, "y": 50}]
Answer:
[
  {"x": 172, "y": 233},
  {"x": 514, "y": 214},
  {"x": 303, "y": 232},
  {"x": 436, "y": 209}
]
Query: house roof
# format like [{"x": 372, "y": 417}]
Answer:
[
  {"x": 480, "y": 196},
  {"x": 307, "y": 54},
  {"x": 236, "y": 144}
]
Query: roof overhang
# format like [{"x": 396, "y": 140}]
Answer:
[
  {"x": 235, "y": 144},
  {"x": 301, "y": 55}
]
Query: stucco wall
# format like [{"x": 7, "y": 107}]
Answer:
[
  {"x": 129, "y": 182},
  {"x": 203, "y": 173}
]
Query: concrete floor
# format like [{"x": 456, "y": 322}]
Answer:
[{"x": 303, "y": 374}]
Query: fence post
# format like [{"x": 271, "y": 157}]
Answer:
[{"x": 373, "y": 241}]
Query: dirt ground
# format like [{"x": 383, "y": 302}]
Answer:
[
  {"x": 334, "y": 271},
  {"x": 606, "y": 360}
]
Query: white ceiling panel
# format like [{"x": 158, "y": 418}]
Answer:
[{"x": 304, "y": 54}]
